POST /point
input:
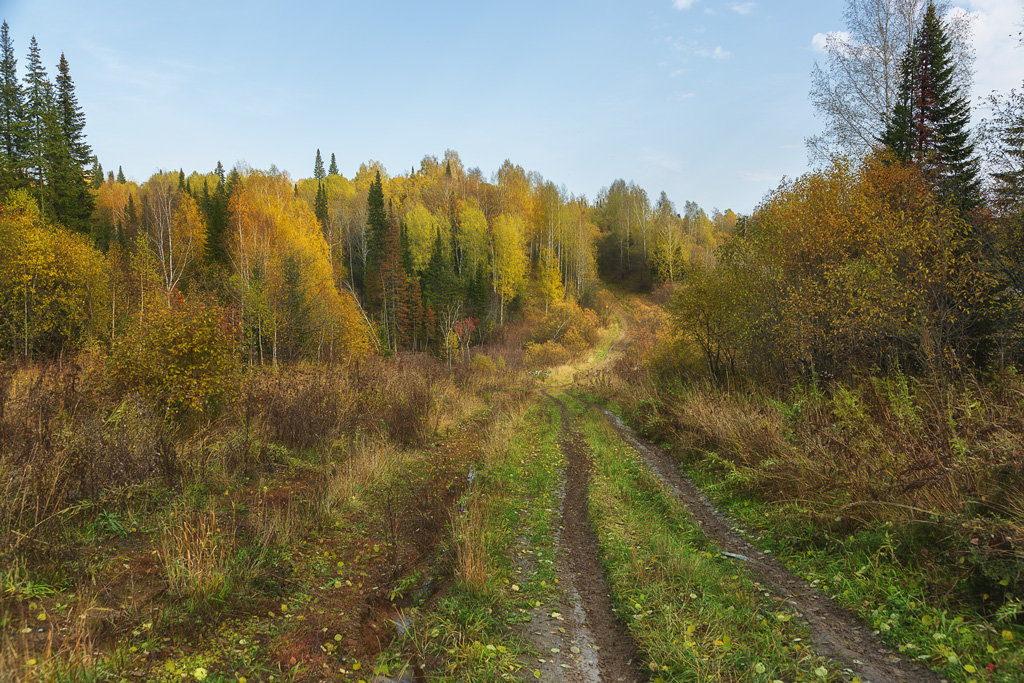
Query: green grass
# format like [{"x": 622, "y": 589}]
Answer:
[
  {"x": 889, "y": 577},
  {"x": 465, "y": 635},
  {"x": 694, "y": 615}
]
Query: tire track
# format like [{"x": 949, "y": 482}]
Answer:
[
  {"x": 602, "y": 649},
  {"x": 836, "y": 632}
]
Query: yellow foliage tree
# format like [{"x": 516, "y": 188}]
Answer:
[
  {"x": 422, "y": 227},
  {"x": 471, "y": 239},
  {"x": 52, "y": 283},
  {"x": 285, "y": 278},
  {"x": 549, "y": 279},
  {"x": 508, "y": 256}
]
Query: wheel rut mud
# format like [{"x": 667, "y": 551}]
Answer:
[
  {"x": 836, "y": 632},
  {"x": 593, "y": 647}
]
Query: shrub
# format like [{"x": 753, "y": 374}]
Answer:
[
  {"x": 52, "y": 282},
  {"x": 184, "y": 357},
  {"x": 863, "y": 259},
  {"x": 549, "y": 353},
  {"x": 568, "y": 324},
  {"x": 303, "y": 406}
]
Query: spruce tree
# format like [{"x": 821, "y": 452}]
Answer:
[
  {"x": 65, "y": 195},
  {"x": 333, "y": 168},
  {"x": 439, "y": 281},
  {"x": 120, "y": 175},
  {"x": 406, "y": 249},
  {"x": 479, "y": 291},
  {"x": 12, "y": 114},
  {"x": 217, "y": 215},
  {"x": 929, "y": 125},
  {"x": 318, "y": 167},
  {"x": 126, "y": 235},
  {"x": 72, "y": 119},
  {"x": 320, "y": 206},
  {"x": 37, "y": 104},
  {"x": 376, "y": 224},
  {"x": 96, "y": 174}
]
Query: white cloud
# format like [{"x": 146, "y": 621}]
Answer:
[
  {"x": 742, "y": 7},
  {"x": 710, "y": 11},
  {"x": 1000, "y": 56},
  {"x": 684, "y": 4},
  {"x": 718, "y": 52},
  {"x": 820, "y": 40}
]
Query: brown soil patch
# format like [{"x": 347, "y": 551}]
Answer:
[{"x": 616, "y": 653}]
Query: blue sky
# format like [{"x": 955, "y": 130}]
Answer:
[{"x": 705, "y": 99}]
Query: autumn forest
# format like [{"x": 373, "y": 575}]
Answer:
[{"x": 380, "y": 424}]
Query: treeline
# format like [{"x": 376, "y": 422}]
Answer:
[
  {"x": 322, "y": 268},
  {"x": 906, "y": 259},
  {"x": 641, "y": 244}
]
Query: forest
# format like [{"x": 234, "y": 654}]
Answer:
[{"x": 436, "y": 425}]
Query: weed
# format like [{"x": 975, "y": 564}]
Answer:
[
  {"x": 196, "y": 557},
  {"x": 471, "y": 548}
]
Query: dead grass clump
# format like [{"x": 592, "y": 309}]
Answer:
[
  {"x": 407, "y": 413},
  {"x": 737, "y": 426},
  {"x": 407, "y": 399},
  {"x": 471, "y": 547},
  {"x": 196, "y": 557},
  {"x": 58, "y": 450},
  {"x": 890, "y": 449},
  {"x": 303, "y": 406},
  {"x": 273, "y": 525},
  {"x": 366, "y": 459}
]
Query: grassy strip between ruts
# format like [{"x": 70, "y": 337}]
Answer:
[
  {"x": 505, "y": 532},
  {"x": 694, "y": 615},
  {"x": 883, "y": 574}
]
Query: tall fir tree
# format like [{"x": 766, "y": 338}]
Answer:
[
  {"x": 320, "y": 206},
  {"x": 120, "y": 175},
  {"x": 333, "y": 168},
  {"x": 12, "y": 115},
  {"x": 96, "y": 174},
  {"x": 65, "y": 193},
  {"x": 37, "y": 104},
  {"x": 216, "y": 208},
  {"x": 72, "y": 119},
  {"x": 392, "y": 288},
  {"x": 406, "y": 249},
  {"x": 129, "y": 230},
  {"x": 318, "y": 167},
  {"x": 478, "y": 291},
  {"x": 440, "y": 285},
  {"x": 376, "y": 224},
  {"x": 929, "y": 126}
]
